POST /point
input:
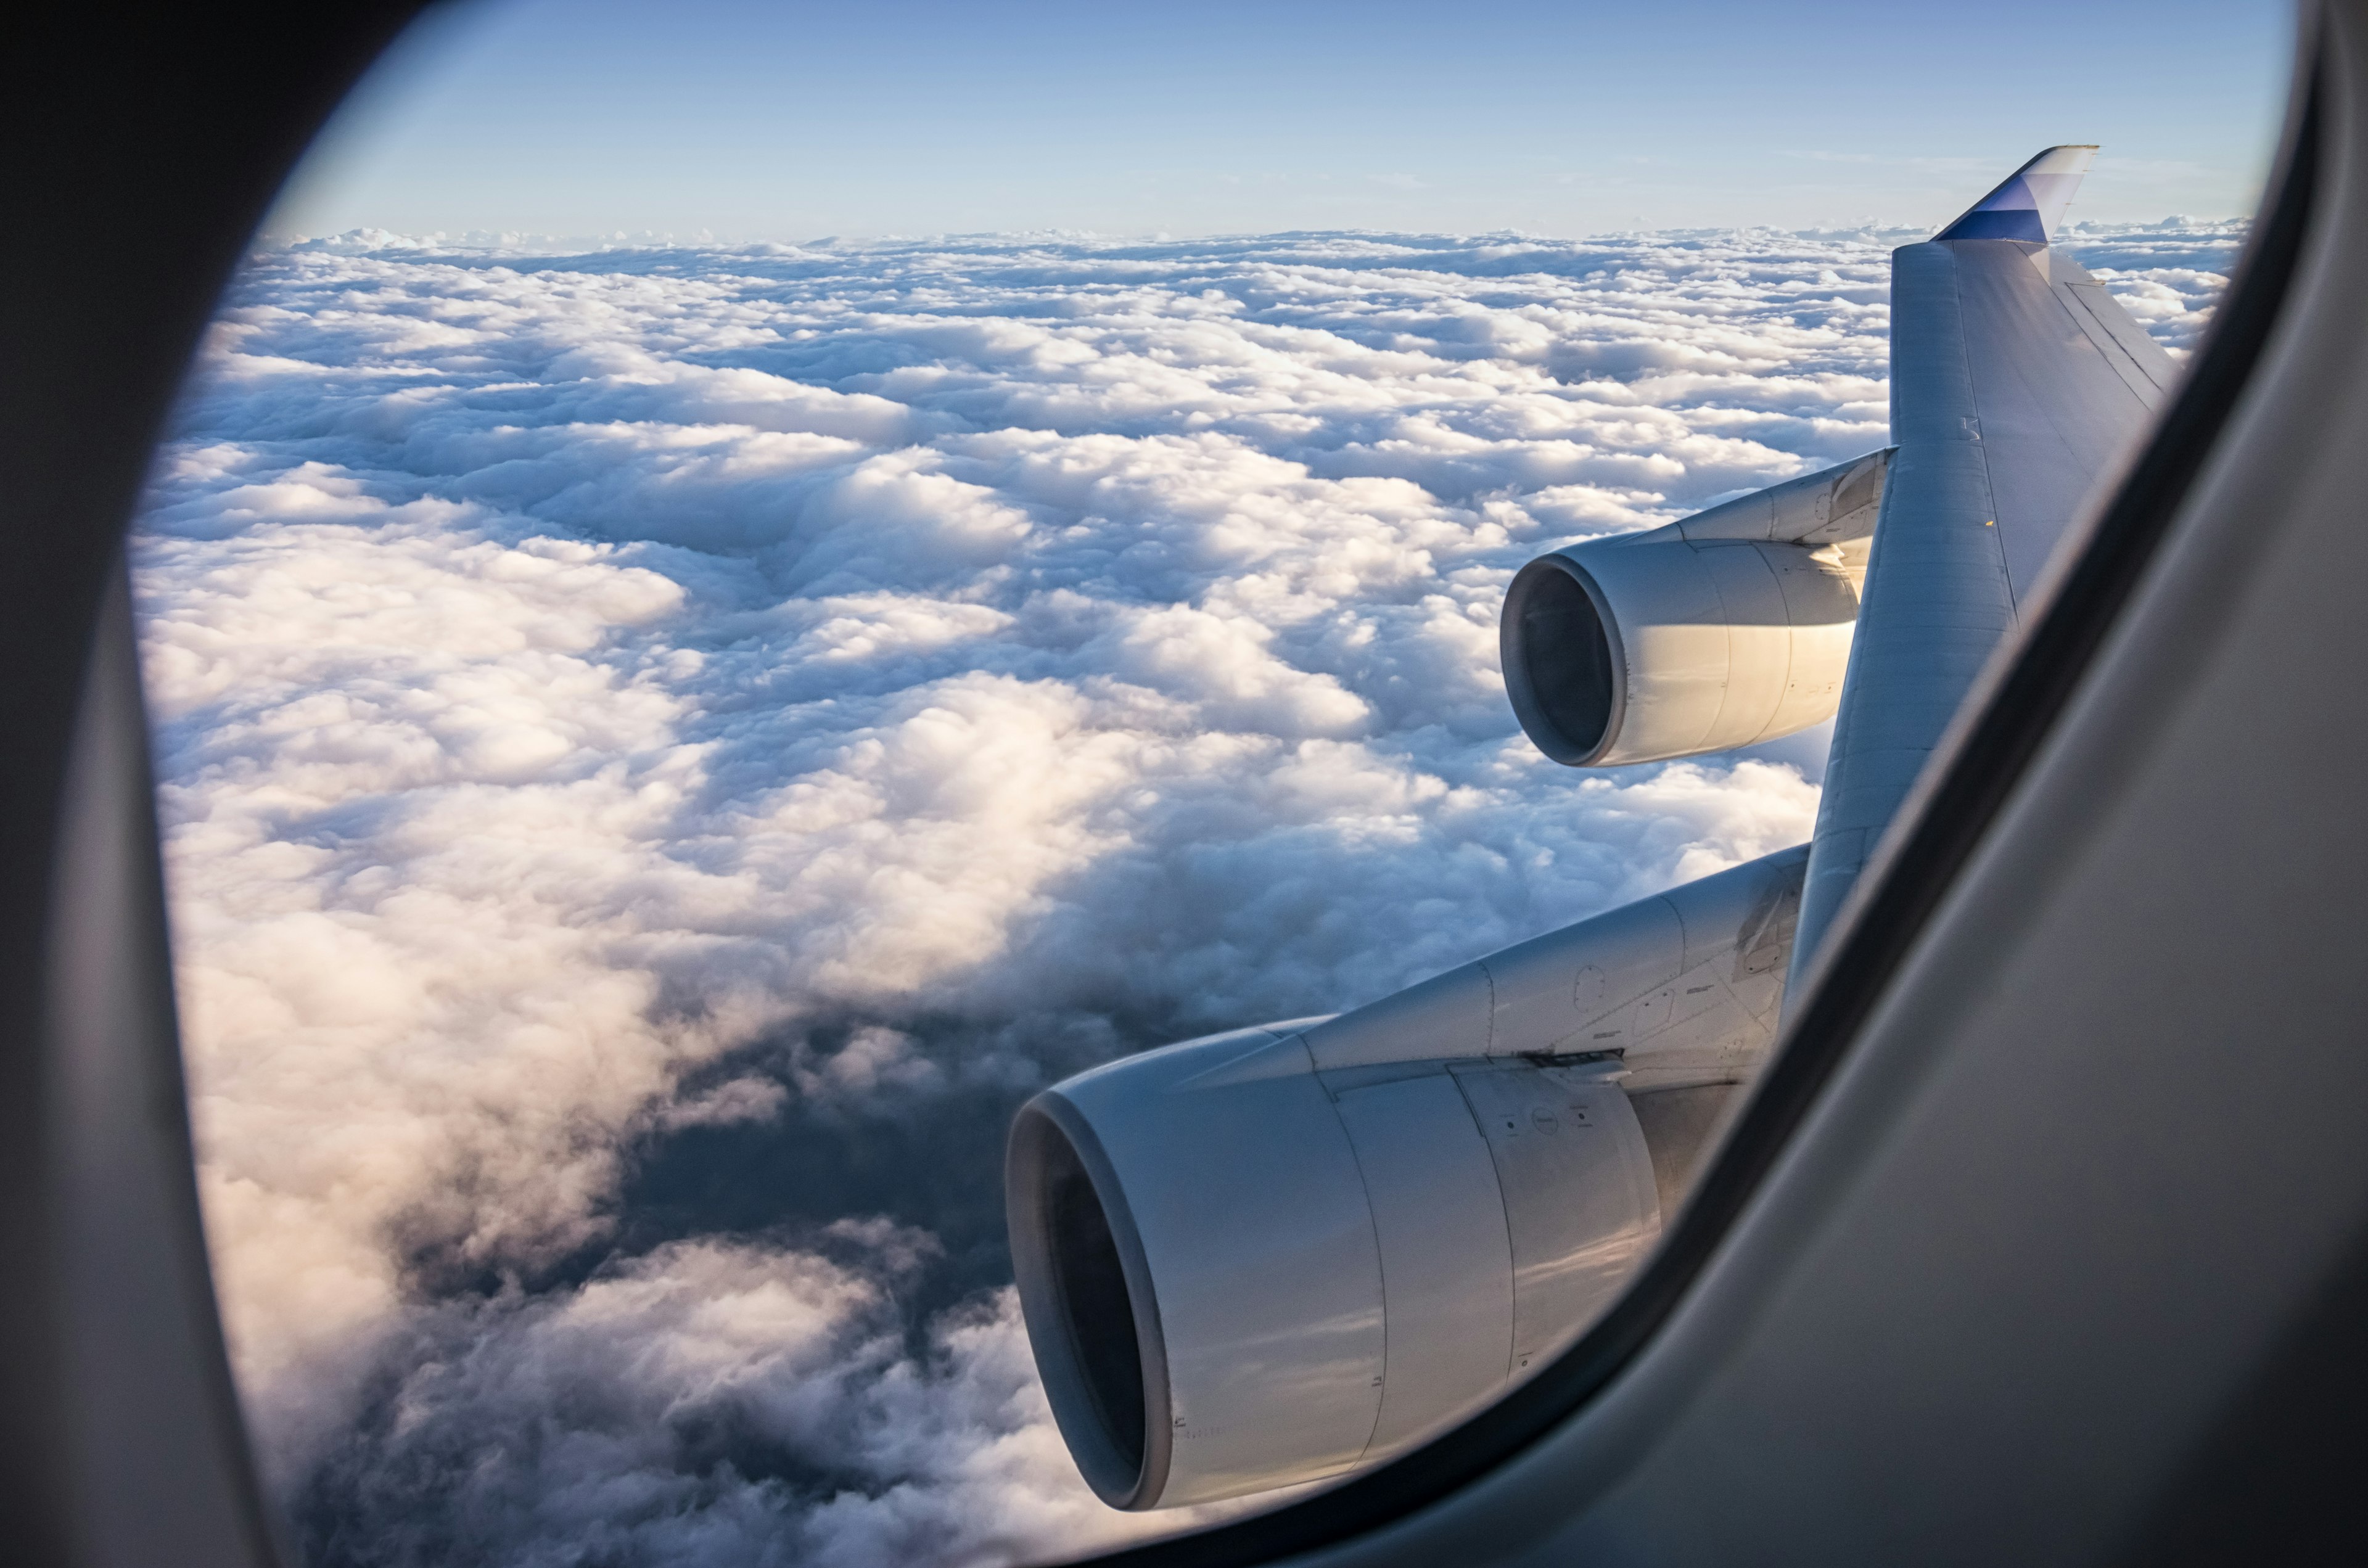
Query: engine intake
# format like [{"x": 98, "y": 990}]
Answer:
[
  {"x": 1726, "y": 628},
  {"x": 1210, "y": 1238},
  {"x": 1271, "y": 1255}
]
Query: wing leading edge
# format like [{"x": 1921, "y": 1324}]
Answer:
[{"x": 2016, "y": 383}]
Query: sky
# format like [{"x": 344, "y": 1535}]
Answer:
[
  {"x": 785, "y": 121},
  {"x": 665, "y": 742}
]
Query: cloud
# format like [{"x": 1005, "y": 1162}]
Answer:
[
  {"x": 2166, "y": 274},
  {"x": 716, "y": 1402},
  {"x": 663, "y": 749}
]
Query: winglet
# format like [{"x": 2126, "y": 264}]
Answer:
[{"x": 2031, "y": 202}]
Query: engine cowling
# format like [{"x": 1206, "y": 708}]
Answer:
[
  {"x": 1726, "y": 628},
  {"x": 1272, "y": 1256}
]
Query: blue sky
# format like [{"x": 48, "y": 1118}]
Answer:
[{"x": 793, "y": 120}]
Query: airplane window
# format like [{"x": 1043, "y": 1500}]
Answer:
[{"x": 750, "y": 605}]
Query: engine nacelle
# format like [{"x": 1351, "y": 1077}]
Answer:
[
  {"x": 1272, "y": 1256},
  {"x": 1726, "y": 628}
]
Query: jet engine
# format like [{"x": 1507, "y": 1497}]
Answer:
[
  {"x": 1730, "y": 626},
  {"x": 1272, "y": 1256}
]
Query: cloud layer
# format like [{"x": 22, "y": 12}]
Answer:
[{"x": 663, "y": 749}]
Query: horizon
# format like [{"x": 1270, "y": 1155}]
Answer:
[{"x": 528, "y": 244}]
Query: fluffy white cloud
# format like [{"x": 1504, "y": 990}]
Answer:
[
  {"x": 662, "y": 749},
  {"x": 715, "y": 1402}
]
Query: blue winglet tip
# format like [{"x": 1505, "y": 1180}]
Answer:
[{"x": 2028, "y": 204}]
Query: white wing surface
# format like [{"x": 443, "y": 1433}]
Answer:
[{"x": 2016, "y": 383}]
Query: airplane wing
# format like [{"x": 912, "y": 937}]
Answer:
[
  {"x": 2016, "y": 381},
  {"x": 1281, "y": 1254}
]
